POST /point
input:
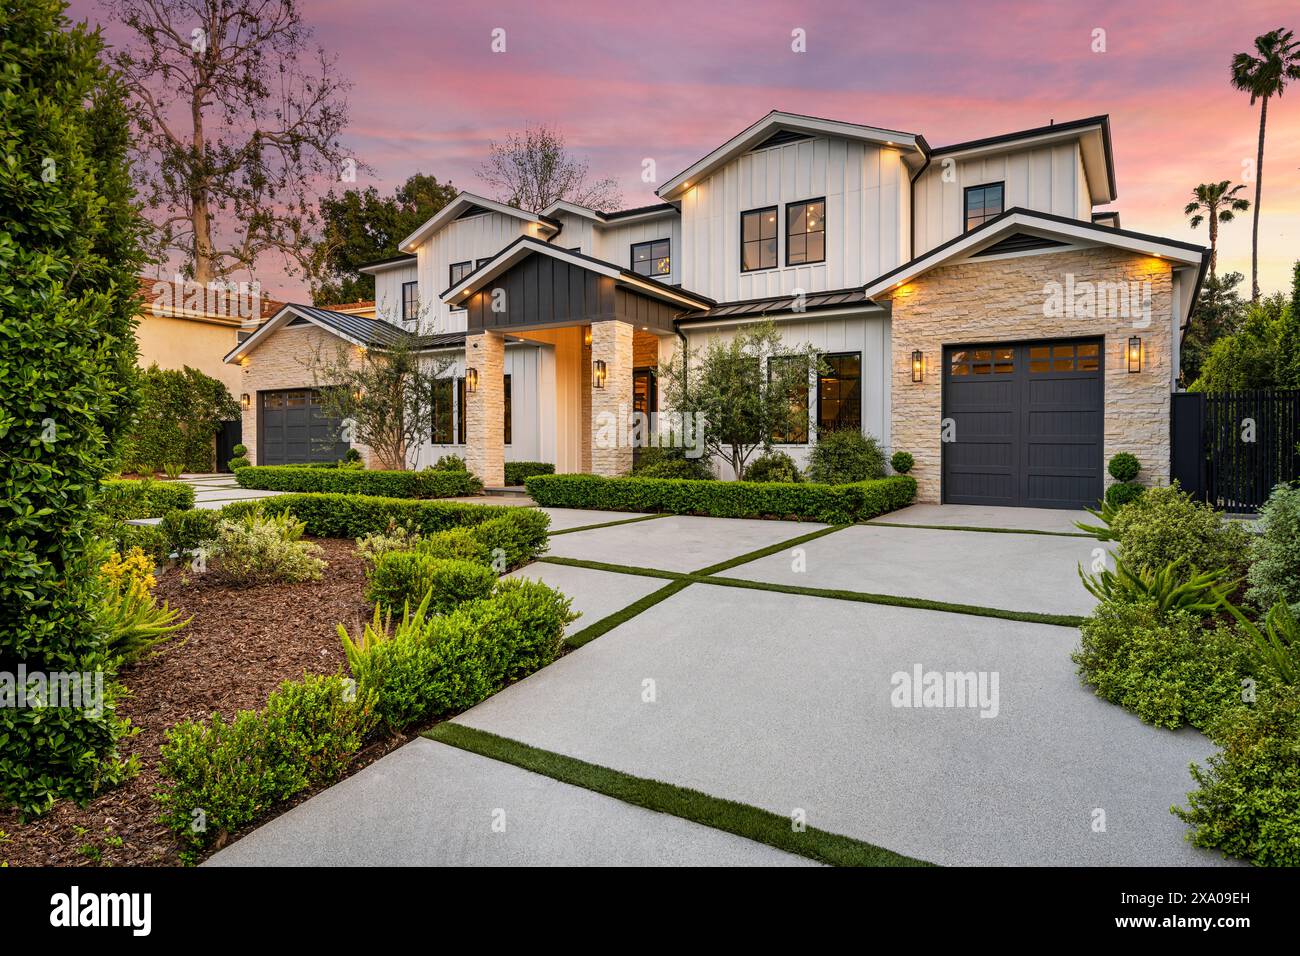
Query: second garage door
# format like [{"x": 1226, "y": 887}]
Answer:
[
  {"x": 1025, "y": 423},
  {"x": 293, "y": 429}
]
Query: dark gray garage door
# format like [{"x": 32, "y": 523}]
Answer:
[
  {"x": 1026, "y": 420},
  {"x": 292, "y": 429}
]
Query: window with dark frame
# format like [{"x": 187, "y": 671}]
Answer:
[
  {"x": 652, "y": 258},
  {"x": 983, "y": 203},
  {"x": 508, "y": 430},
  {"x": 443, "y": 417},
  {"x": 455, "y": 272},
  {"x": 460, "y": 410},
  {"x": 758, "y": 239},
  {"x": 410, "y": 301},
  {"x": 805, "y": 232},
  {"x": 798, "y": 435},
  {"x": 509, "y": 414},
  {"x": 839, "y": 392}
]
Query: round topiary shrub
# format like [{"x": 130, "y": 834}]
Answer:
[
  {"x": 901, "y": 462},
  {"x": 1124, "y": 466},
  {"x": 1121, "y": 493},
  {"x": 845, "y": 456},
  {"x": 238, "y": 462},
  {"x": 773, "y": 466},
  {"x": 352, "y": 455},
  {"x": 240, "y": 450}
]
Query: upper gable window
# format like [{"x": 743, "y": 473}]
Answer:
[
  {"x": 983, "y": 203},
  {"x": 805, "y": 232},
  {"x": 652, "y": 258},
  {"x": 758, "y": 239},
  {"x": 410, "y": 301},
  {"x": 457, "y": 271}
]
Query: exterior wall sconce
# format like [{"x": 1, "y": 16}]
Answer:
[
  {"x": 918, "y": 366},
  {"x": 471, "y": 380},
  {"x": 599, "y": 372},
  {"x": 246, "y": 400},
  {"x": 586, "y": 335},
  {"x": 1135, "y": 353}
]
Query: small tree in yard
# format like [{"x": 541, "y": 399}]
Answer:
[
  {"x": 390, "y": 397},
  {"x": 746, "y": 400}
]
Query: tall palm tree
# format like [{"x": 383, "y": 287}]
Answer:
[
  {"x": 1263, "y": 77},
  {"x": 1218, "y": 203}
]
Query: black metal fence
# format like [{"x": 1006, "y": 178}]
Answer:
[{"x": 1231, "y": 448}]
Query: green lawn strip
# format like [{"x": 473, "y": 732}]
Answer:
[
  {"x": 608, "y": 623},
  {"x": 616, "y": 568},
  {"x": 770, "y": 549},
  {"x": 761, "y": 826},
  {"x": 924, "y": 604},
  {"x": 608, "y": 524},
  {"x": 955, "y": 527}
]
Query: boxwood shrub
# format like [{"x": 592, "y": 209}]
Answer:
[
  {"x": 832, "y": 504},
  {"x": 431, "y": 483},
  {"x": 517, "y": 471},
  {"x": 331, "y": 515},
  {"x": 126, "y": 498},
  {"x": 400, "y": 578}
]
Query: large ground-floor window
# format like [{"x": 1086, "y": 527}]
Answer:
[
  {"x": 839, "y": 392},
  {"x": 798, "y": 433},
  {"x": 460, "y": 414}
]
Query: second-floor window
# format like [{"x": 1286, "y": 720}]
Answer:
[
  {"x": 410, "y": 301},
  {"x": 457, "y": 271},
  {"x": 652, "y": 258},
  {"x": 983, "y": 203},
  {"x": 758, "y": 239},
  {"x": 805, "y": 232}
]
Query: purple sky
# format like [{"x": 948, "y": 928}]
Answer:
[{"x": 672, "y": 80}]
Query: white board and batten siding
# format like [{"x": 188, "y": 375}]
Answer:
[
  {"x": 388, "y": 292},
  {"x": 1046, "y": 178},
  {"x": 867, "y": 193},
  {"x": 869, "y": 335},
  {"x": 614, "y": 242}
]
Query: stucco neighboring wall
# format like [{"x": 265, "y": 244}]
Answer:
[
  {"x": 1004, "y": 300},
  {"x": 175, "y": 343}
]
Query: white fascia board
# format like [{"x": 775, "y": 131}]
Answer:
[
  {"x": 385, "y": 266},
  {"x": 457, "y": 206},
  {"x": 276, "y": 322}
]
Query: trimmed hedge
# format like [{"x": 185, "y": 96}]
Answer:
[
  {"x": 431, "y": 483},
  {"x": 832, "y": 504},
  {"x": 518, "y": 471},
  {"x": 828, "y": 504},
  {"x": 354, "y": 516},
  {"x": 125, "y": 498},
  {"x": 400, "y": 578}
]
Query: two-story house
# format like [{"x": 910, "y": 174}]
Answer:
[{"x": 970, "y": 306}]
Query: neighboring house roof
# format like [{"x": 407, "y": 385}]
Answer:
[
  {"x": 466, "y": 203},
  {"x": 655, "y": 209},
  {"x": 1093, "y": 133},
  {"x": 781, "y": 305},
  {"x": 526, "y": 246},
  {"x": 1063, "y": 231},
  {"x": 154, "y": 292},
  {"x": 391, "y": 262}
]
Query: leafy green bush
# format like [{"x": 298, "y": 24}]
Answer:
[
  {"x": 353, "y": 516},
  {"x": 242, "y": 449},
  {"x": 1121, "y": 493},
  {"x": 1123, "y": 466},
  {"x": 514, "y": 538},
  {"x": 770, "y": 466},
  {"x": 371, "y": 547},
  {"x": 125, "y": 498},
  {"x": 459, "y": 543},
  {"x": 430, "y": 665},
  {"x": 352, "y": 456},
  {"x": 1168, "y": 668},
  {"x": 658, "y": 461},
  {"x": 258, "y": 548},
  {"x": 180, "y": 413},
  {"x": 1201, "y": 594},
  {"x": 832, "y": 504},
  {"x": 224, "y": 775},
  {"x": 430, "y": 483},
  {"x": 186, "y": 531},
  {"x": 1275, "y": 647},
  {"x": 450, "y": 463},
  {"x": 407, "y": 577},
  {"x": 237, "y": 463},
  {"x": 844, "y": 457},
  {"x": 1165, "y": 526},
  {"x": 1275, "y": 554},
  {"x": 517, "y": 471},
  {"x": 122, "y": 537},
  {"x": 70, "y": 253},
  {"x": 1248, "y": 799},
  {"x": 902, "y": 462}
]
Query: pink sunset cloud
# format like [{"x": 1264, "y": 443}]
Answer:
[{"x": 625, "y": 82}]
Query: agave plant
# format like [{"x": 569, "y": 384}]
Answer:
[
  {"x": 1276, "y": 648},
  {"x": 1201, "y": 594}
]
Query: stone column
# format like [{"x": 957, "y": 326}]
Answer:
[
  {"x": 611, "y": 406},
  {"x": 485, "y": 442}
]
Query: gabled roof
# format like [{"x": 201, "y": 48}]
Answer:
[
  {"x": 526, "y": 246},
  {"x": 392, "y": 262},
  {"x": 1092, "y": 132},
  {"x": 563, "y": 205},
  {"x": 466, "y": 202},
  {"x": 357, "y": 329},
  {"x": 755, "y": 134}
]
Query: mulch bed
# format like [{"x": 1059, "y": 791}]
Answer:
[{"x": 241, "y": 644}]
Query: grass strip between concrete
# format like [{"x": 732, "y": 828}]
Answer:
[
  {"x": 608, "y": 623},
  {"x": 752, "y": 823}
]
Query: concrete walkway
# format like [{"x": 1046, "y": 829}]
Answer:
[{"x": 212, "y": 491}]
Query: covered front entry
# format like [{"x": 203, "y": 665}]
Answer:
[
  {"x": 1023, "y": 423},
  {"x": 292, "y": 429}
]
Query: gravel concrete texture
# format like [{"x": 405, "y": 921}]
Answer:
[
  {"x": 677, "y": 542},
  {"x": 595, "y": 594},
  {"x": 981, "y": 516},
  {"x": 784, "y": 702},
  {"x": 1014, "y": 572},
  {"x": 427, "y": 804},
  {"x": 564, "y": 518}
]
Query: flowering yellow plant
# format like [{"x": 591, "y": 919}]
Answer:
[{"x": 131, "y": 573}]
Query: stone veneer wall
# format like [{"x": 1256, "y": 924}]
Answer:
[
  {"x": 485, "y": 448},
  {"x": 611, "y": 342},
  {"x": 1003, "y": 300},
  {"x": 283, "y": 361}
]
